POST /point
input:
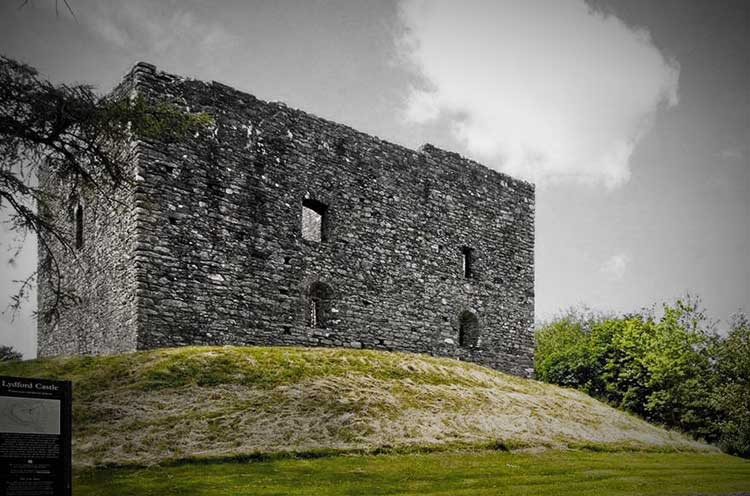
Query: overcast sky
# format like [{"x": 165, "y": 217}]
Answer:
[{"x": 631, "y": 117}]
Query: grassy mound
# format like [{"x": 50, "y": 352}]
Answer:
[{"x": 224, "y": 402}]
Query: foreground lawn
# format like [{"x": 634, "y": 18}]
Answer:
[{"x": 472, "y": 473}]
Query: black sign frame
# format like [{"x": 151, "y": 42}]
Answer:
[{"x": 35, "y": 437}]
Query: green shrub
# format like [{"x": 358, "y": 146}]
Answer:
[
  {"x": 561, "y": 356},
  {"x": 673, "y": 370}
]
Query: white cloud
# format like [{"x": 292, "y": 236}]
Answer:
[
  {"x": 615, "y": 266},
  {"x": 546, "y": 90}
]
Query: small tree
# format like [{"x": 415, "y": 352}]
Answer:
[
  {"x": 7, "y": 353},
  {"x": 75, "y": 135}
]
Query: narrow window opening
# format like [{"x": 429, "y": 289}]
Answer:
[
  {"x": 313, "y": 220},
  {"x": 79, "y": 226},
  {"x": 467, "y": 262},
  {"x": 314, "y": 320},
  {"x": 468, "y": 329}
]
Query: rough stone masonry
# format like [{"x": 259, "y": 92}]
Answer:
[{"x": 277, "y": 227}]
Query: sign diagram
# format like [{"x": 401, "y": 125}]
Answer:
[{"x": 29, "y": 415}]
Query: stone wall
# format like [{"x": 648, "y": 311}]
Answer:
[
  {"x": 218, "y": 255},
  {"x": 99, "y": 317}
]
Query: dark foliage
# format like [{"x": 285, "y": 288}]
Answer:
[
  {"x": 731, "y": 393},
  {"x": 7, "y": 353}
]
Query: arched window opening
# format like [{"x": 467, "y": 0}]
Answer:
[
  {"x": 79, "y": 226},
  {"x": 313, "y": 220},
  {"x": 468, "y": 329},
  {"x": 320, "y": 297}
]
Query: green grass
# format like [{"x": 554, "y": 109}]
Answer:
[
  {"x": 188, "y": 403},
  {"x": 460, "y": 473},
  {"x": 264, "y": 367},
  {"x": 275, "y": 421}
]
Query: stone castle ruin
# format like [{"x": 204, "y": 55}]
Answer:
[{"x": 281, "y": 228}]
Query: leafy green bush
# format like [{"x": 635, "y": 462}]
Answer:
[
  {"x": 672, "y": 370},
  {"x": 561, "y": 356}
]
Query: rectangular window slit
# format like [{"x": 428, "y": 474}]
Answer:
[{"x": 467, "y": 262}]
